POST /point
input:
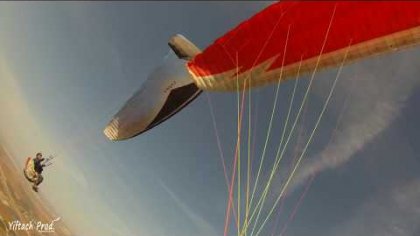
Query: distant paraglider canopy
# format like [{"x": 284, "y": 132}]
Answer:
[{"x": 29, "y": 170}]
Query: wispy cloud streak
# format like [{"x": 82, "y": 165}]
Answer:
[
  {"x": 378, "y": 91},
  {"x": 393, "y": 213},
  {"x": 203, "y": 227}
]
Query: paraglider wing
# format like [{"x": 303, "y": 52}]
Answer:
[
  {"x": 182, "y": 47},
  {"x": 29, "y": 170},
  {"x": 168, "y": 89},
  {"x": 316, "y": 32}
]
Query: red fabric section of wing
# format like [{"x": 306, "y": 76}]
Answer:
[{"x": 263, "y": 36}]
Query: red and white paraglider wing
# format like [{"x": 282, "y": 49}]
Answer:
[{"x": 315, "y": 32}]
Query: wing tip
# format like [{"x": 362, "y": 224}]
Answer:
[{"x": 111, "y": 131}]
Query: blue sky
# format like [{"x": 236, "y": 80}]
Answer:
[{"x": 67, "y": 67}]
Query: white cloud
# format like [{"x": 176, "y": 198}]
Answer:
[
  {"x": 393, "y": 213},
  {"x": 378, "y": 89}
]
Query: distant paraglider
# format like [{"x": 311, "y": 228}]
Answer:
[{"x": 34, "y": 167}]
